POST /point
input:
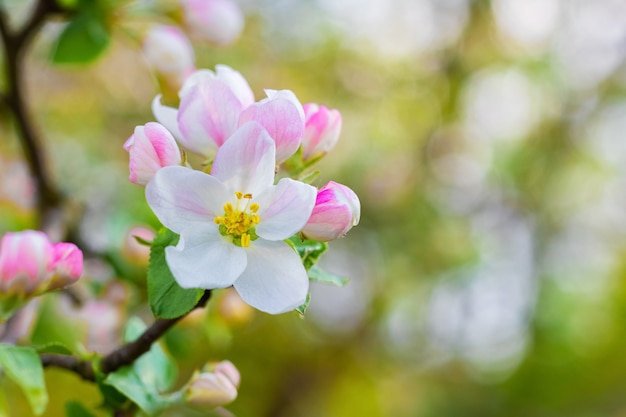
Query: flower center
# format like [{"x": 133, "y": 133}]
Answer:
[{"x": 239, "y": 221}]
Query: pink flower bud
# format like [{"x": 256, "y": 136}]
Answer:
[
  {"x": 169, "y": 52},
  {"x": 337, "y": 210},
  {"x": 30, "y": 264},
  {"x": 281, "y": 114},
  {"x": 208, "y": 390},
  {"x": 321, "y": 132},
  {"x": 217, "y": 21},
  {"x": 26, "y": 260},
  {"x": 151, "y": 148}
]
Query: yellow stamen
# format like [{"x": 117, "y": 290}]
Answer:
[
  {"x": 245, "y": 240},
  {"x": 239, "y": 222},
  {"x": 254, "y": 207}
]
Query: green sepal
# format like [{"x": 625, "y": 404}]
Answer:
[
  {"x": 167, "y": 299},
  {"x": 22, "y": 365},
  {"x": 309, "y": 250},
  {"x": 302, "y": 309},
  {"x": 317, "y": 274}
]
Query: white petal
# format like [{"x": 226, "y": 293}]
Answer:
[
  {"x": 181, "y": 197},
  {"x": 205, "y": 259},
  {"x": 167, "y": 116},
  {"x": 274, "y": 280},
  {"x": 284, "y": 209},
  {"x": 246, "y": 161},
  {"x": 196, "y": 77}
]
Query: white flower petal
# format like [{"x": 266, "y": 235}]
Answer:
[
  {"x": 247, "y": 160},
  {"x": 285, "y": 209},
  {"x": 205, "y": 259},
  {"x": 274, "y": 280},
  {"x": 181, "y": 197},
  {"x": 167, "y": 116}
]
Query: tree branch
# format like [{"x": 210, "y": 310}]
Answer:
[
  {"x": 15, "y": 45},
  {"x": 124, "y": 355}
]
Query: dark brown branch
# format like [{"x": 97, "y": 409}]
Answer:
[
  {"x": 124, "y": 355},
  {"x": 15, "y": 46}
]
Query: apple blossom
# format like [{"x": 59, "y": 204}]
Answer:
[
  {"x": 217, "y": 21},
  {"x": 169, "y": 52},
  {"x": 151, "y": 148},
  {"x": 321, "y": 131},
  {"x": 233, "y": 223},
  {"x": 337, "y": 210}
]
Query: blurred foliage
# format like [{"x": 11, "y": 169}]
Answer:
[{"x": 487, "y": 276}]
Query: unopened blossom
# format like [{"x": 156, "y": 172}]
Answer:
[
  {"x": 208, "y": 390},
  {"x": 210, "y": 106},
  {"x": 219, "y": 22},
  {"x": 150, "y": 148},
  {"x": 337, "y": 210},
  {"x": 31, "y": 265},
  {"x": 281, "y": 114},
  {"x": 169, "y": 52},
  {"x": 233, "y": 223},
  {"x": 321, "y": 132}
]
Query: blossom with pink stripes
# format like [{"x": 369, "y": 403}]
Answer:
[{"x": 233, "y": 223}]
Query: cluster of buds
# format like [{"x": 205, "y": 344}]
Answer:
[
  {"x": 231, "y": 217},
  {"x": 31, "y": 265}
]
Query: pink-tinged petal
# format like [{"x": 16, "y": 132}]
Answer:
[
  {"x": 219, "y": 22},
  {"x": 167, "y": 116},
  {"x": 337, "y": 210},
  {"x": 237, "y": 84},
  {"x": 25, "y": 260},
  {"x": 196, "y": 77},
  {"x": 207, "y": 116},
  {"x": 246, "y": 162},
  {"x": 282, "y": 116},
  {"x": 321, "y": 132},
  {"x": 181, "y": 197},
  {"x": 275, "y": 280},
  {"x": 284, "y": 209},
  {"x": 151, "y": 148},
  {"x": 229, "y": 370},
  {"x": 205, "y": 259},
  {"x": 208, "y": 390},
  {"x": 67, "y": 264}
]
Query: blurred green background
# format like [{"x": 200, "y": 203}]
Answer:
[{"x": 487, "y": 143}]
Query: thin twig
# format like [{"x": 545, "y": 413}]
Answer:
[{"x": 124, "y": 355}]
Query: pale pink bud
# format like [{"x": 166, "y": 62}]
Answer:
[
  {"x": 337, "y": 210},
  {"x": 169, "y": 52},
  {"x": 26, "y": 260},
  {"x": 209, "y": 390},
  {"x": 217, "y": 21},
  {"x": 151, "y": 148},
  {"x": 321, "y": 131},
  {"x": 232, "y": 78},
  {"x": 281, "y": 114}
]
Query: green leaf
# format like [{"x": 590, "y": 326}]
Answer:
[
  {"x": 23, "y": 366},
  {"x": 302, "y": 309},
  {"x": 76, "y": 409},
  {"x": 167, "y": 299},
  {"x": 319, "y": 275},
  {"x": 84, "y": 38},
  {"x": 309, "y": 250},
  {"x": 150, "y": 375}
]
